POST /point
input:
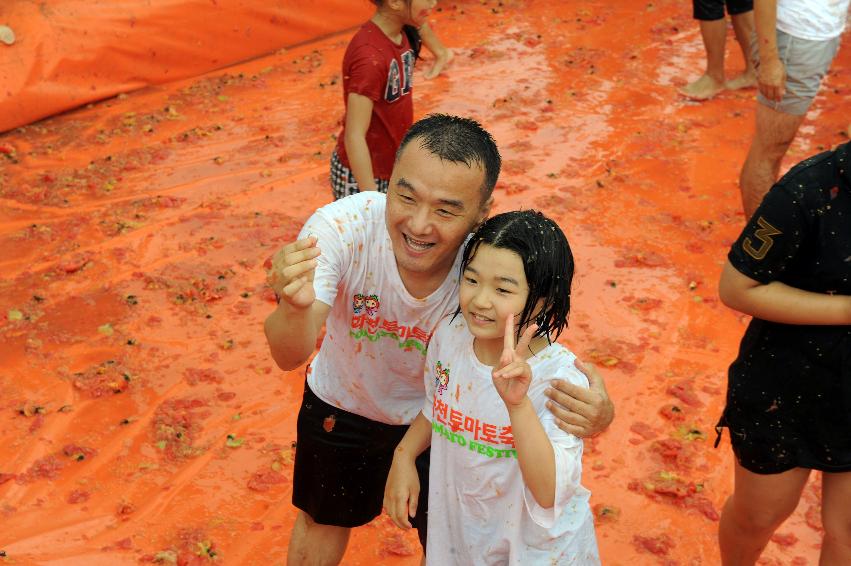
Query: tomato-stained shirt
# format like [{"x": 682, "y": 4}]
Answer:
[
  {"x": 371, "y": 359},
  {"x": 480, "y": 511}
]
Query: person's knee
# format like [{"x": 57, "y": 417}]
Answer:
[
  {"x": 772, "y": 145},
  {"x": 762, "y": 519},
  {"x": 775, "y": 131}
]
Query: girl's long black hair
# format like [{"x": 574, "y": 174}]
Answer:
[{"x": 547, "y": 263}]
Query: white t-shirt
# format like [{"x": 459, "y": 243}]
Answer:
[
  {"x": 371, "y": 360},
  {"x": 817, "y": 20},
  {"x": 480, "y": 511}
]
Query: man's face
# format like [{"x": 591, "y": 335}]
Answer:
[{"x": 431, "y": 207}]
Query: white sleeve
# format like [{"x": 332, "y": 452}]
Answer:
[
  {"x": 334, "y": 256},
  {"x": 567, "y": 447},
  {"x": 428, "y": 372}
]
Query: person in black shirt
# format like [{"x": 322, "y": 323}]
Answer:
[{"x": 789, "y": 390}]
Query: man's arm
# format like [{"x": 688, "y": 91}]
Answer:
[
  {"x": 771, "y": 75},
  {"x": 291, "y": 333},
  {"x": 291, "y": 330},
  {"x": 583, "y": 412}
]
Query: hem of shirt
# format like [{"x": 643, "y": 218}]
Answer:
[{"x": 798, "y": 35}]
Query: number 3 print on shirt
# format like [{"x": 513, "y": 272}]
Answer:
[
  {"x": 399, "y": 84},
  {"x": 763, "y": 234}
]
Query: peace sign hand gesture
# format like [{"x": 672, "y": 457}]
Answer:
[{"x": 513, "y": 374}]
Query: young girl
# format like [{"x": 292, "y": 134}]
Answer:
[
  {"x": 504, "y": 483},
  {"x": 378, "y": 70},
  {"x": 789, "y": 391}
]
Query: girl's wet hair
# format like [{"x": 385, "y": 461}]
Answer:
[{"x": 547, "y": 263}]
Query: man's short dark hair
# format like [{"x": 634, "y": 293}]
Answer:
[{"x": 459, "y": 140}]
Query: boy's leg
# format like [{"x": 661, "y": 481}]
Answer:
[
  {"x": 713, "y": 30},
  {"x": 759, "y": 504},
  {"x": 836, "y": 519},
  {"x": 743, "y": 27},
  {"x": 312, "y": 544}
]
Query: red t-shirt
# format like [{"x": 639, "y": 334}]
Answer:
[{"x": 382, "y": 71}]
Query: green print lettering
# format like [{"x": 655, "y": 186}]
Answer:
[
  {"x": 763, "y": 234},
  {"x": 409, "y": 344},
  {"x": 472, "y": 446}
]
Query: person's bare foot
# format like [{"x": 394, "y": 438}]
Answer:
[
  {"x": 440, "y": 62},
  {"x": 703, "y": 88},
  {"x": 745, "y": 80}
]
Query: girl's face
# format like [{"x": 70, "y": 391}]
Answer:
[{"x": 493, "y": 285}]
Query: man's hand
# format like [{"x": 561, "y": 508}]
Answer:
[
  {"x": 291, "y": 276},
  {"x": 513, "y": 375},
  {"x": 402, "y": 491},
  {"x": 771, "y": 77},
  {"x": 580, "y": 411}
]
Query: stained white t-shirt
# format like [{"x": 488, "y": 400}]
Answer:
[
  {"x": 817, "y": 20},
  {"x": 480, "y": 511},
  {"x": 371, "y": 360}
]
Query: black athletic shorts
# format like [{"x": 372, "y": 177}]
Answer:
[
  {"x": 789, "y": 406},
  {"x": 341, "y": 466},
  {"x": 711, "y": 10}
]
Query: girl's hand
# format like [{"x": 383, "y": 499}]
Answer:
[
  {"x": 402, "y": 492},
  {"x": 513, "y": 375}
]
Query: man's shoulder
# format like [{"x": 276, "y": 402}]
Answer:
[
  {"x": 366, "y": 207},
  {"x": 347, "y": 227}
]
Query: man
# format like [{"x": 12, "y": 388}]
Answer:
[
  {"x": 796, "y": 41},
  {"x": 386, "y": 274},
  {"x": 713, "y": 30}
]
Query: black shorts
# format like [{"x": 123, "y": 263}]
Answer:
[
  {"x": 711, "y": 10},
  {"x": 786, "y": 410},
  {"x": 341, "y": 465}
]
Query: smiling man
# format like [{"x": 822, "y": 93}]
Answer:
[{"x": 380, "y": 272}]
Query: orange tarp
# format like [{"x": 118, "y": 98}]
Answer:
[
  {"x": 140, "y": 413},
  {"x": 71, "y": 52}
]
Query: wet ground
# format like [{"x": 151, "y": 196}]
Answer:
[{"x": 141, "y": 417}]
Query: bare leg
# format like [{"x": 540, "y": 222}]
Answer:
[
  {"x": 312, "y": 544},
  {"x": 442, "y": 54},
  {"x": 714, "y": 35},
  {"x": 836, "y": 517},
  {"x": 759, "y": 504},
  {"x": 774, "y": 132},
  {"x": 743, "y": 26}
]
